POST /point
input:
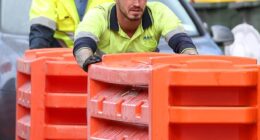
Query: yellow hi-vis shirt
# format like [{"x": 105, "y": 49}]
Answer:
[
  {"x": 59, "y": 15},
  {"x": 100, "y": 24}
]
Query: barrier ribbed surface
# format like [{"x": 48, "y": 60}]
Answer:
[
  {"x": 51, "y": 96},
  {"x": 175, "y": 97}
]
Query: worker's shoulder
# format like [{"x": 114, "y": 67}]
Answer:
[
  {"x": 99, "y": 13},
  {"x": 156, "y": 6},
  {"x": 158, "y": 9},
  {"x": 104, "y": 6}
]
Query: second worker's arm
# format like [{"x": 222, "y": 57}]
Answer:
[
  {"x": 40, "y": 36},
  {"x": 42, "y": 24}
]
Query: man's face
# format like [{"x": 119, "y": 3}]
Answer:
[{"x": 131, "y": 9}]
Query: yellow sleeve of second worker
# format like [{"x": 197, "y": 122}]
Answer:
[{"x": 44, "y": 11}]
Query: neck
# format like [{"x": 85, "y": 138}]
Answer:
[{"x": 128, "y": 26}]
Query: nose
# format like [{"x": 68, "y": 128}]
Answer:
[{"x": 136, "y": 3}]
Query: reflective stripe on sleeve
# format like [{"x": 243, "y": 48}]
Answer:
[
  {"x": 44, "y": 21},
  {"x": 87, "y": 34}
]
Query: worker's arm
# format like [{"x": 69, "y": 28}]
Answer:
[
  {"x": 171, "y": 28},
  {"x": 83, "y": 51},
  {"x": 87, "y": 36},
  {"x": 42, "y": 23},
  {"x": 182, "y": 43}
]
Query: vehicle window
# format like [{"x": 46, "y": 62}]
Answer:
[
  {"x": 180, "y": 11},
  {"x": 14, "y": 18}
]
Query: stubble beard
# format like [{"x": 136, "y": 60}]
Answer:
[{"x": 134, "y": 18}]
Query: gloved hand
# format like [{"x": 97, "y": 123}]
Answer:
[
  {"x": 190, "y": 51},
  {"x": 91, "y": 60},
  {"x": 84, "y": 57}
]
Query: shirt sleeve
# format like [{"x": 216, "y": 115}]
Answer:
[
  {"x": 166, "y": 21},
  {"x": 93, "y": 24}
]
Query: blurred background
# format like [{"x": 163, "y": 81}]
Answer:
[{"x": 228, "y": 12}]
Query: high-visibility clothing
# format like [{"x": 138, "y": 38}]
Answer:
[
  {"x": 100, "y": 24},
  {"x": 60, "y": 16}
]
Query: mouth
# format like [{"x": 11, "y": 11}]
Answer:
[{"x": 136, "y": 11}]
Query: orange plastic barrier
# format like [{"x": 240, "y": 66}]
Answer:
[
  {"x": 51, "y": 96},
  {"x": 173, "y": 97}
]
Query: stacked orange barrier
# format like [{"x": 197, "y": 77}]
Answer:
[
  {"x": 207, "y": 98},
  {"x": 175, "y": 97},
  {"x": 51, "y": 96}
]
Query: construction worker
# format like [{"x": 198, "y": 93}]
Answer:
[
  {"x": 53, "y": 22},
  {"x": 128, "y": 26}
]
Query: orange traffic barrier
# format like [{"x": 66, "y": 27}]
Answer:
[
  {"x": 207, "y": 98},
  {"x": 175, "y": 97},
  {"x": 51, "y": 96}
]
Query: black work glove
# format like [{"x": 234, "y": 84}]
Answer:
[{"x": 91, "y": 60}]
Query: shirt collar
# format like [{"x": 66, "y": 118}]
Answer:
[{"x": 146, "y": 19}]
